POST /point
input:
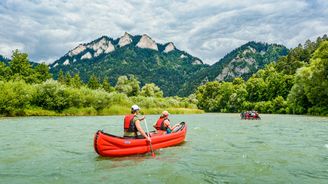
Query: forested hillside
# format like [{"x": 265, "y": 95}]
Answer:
[
  {"x": 297, "y": 83},
  {"x": 162, "y": 64},
  {"x": 242, "y": 62}
]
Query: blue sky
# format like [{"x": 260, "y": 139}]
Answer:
[{"x": 208, "y": 29}]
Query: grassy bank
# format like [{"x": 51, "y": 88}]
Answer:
[
  {"x": 113, "y": 110},
  {"x": 51, "y": 98}
]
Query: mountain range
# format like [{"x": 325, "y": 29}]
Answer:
[{"x": 175, "y": 71}]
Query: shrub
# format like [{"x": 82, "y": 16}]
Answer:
[
  {"x": 15, "y": 97},
  {"x": 52, "y": 96}
]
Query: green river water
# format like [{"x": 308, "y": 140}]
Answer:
[{"x": 219, "y": 148}]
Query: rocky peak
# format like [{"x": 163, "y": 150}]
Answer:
[
  {"x": 125, "y": 40},
  {"x": 102, "y": 46},
  {"x": 169, "y": 47},
  {"x": 77, "y": 50},
  {"x": 146, "y": 42}
]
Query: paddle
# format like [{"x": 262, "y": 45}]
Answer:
[{"x": 151, "y": 147}]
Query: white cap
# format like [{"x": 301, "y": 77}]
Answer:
[{"x": 135, "y": 107}]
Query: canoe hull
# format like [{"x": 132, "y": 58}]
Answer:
[{"x": 108, "y": 145}]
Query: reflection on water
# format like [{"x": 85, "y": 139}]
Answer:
[{"x": 219, "y": 148}]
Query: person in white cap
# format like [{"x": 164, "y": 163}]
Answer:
[
  {"x": 163, "y": 123},
  {"x": 132, "y": 124}
]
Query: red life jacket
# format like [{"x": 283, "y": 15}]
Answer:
[
  {"x": 160, "y": 124},
  {"x": 129, "y": 125}
]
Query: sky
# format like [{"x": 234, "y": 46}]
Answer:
[{"x": 208, "y": 29}]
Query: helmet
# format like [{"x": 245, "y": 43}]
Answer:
[{"x": 135, "y": 108}]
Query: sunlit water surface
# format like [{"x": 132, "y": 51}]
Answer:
[{"x": 219, "y": 148}]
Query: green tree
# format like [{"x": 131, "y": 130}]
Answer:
[
  {"x": 93, "y": 82},
  {"x": 15, "y": 97},
  {"x": 135, "y": 84},
  {"x": 311, "y": 84},
  {"x": 129, "y": 86},
  {"x": 122, "y": 85},
  {"x": 226, "y": 89},
  {"x": 76, "y": 81},
  {"x": 237, "y": 98},
  {"x": 151, "y": 90},
  {"x": 238, "y": 81},
  {"x": 61, "y": 77},
  {"x": 52, "y": 95},
  {"x": 68, "y": 79},
  {"x": 256, "y": 88},
  {"x": 106, "y": 85},
  {"x": 20, "y": 67},
  {"x": 4, "y": 72},
  {"x": 41, "y": 73},
  {"x": 206, "y": 95},
  {"x": 279, "y": 105}
]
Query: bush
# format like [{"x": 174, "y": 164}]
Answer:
[
  {"x": 38, "y": 111},
  {"x": 99, "y": 99},
  {"x": 116, "y": 98},
  {"x": 52, "y": 96},
  {"x": 15, "y": 97},
  {"x": 323, "y": 111}
]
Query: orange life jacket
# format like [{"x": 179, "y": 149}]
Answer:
[
  {"x": 129, "y": 125},
  {"x": 160, "y": 124}
]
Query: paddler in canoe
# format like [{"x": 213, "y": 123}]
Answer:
[
  {"x": 106, "y": 144},
  {"x": 132, "y": 125},
  {"x": 163, "y": 124}
]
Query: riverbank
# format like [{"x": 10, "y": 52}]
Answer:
[
  {"x": 113, "y": 110},
  {"x": 52, "y": 98}
]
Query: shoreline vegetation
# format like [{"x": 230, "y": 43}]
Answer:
[
  {"x": 51, "y": 98},
  {"x": 31, "y": 91}
]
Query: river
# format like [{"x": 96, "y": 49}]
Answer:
[{"x": 219, "y": 148}]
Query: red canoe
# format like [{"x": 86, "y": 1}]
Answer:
[{"x": 108, "y": 145}]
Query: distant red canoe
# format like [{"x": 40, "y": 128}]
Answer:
[
  {"x": 108, "y": 145},
  {"x": 252, "y": 115},
  {"x": 251, "y": 118}
]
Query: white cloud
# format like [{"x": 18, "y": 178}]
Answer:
[{"x": 208, "y": 29}]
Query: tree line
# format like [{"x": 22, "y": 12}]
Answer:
[
  {"x": 295, "y": 84},
  {"x": 27, "y": 90}
]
